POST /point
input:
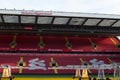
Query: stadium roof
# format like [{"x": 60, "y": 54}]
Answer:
[{"x": 59, "y": 22}]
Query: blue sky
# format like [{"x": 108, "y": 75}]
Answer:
[{"x": 88, "y": 6}]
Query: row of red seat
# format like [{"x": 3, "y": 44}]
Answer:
[
  {"x": 43, "y": 61},
  {"x": 58, "y": 43}
]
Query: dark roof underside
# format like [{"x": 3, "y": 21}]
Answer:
[{"x": 48, "y": 23}]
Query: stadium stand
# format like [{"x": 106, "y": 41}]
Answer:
[
  {"x": 50, "y": 43},
  {"x": 27, "y": 43},
  {"x": 80, "y": 44},
  {"x": 5, "y": 40},
  {"x": 43, "y": 61},
  {"x": 46, "y": 39},
  {"x": 53, "y": 42},
  {"x": 105, "y": 44}
]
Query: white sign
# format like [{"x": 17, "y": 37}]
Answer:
[{"x": 36, "y": 64}]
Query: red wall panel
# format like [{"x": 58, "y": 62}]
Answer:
[{"x": 43, "y": 61}]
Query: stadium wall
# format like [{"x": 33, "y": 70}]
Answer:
[{"x": 39, "y": 63}]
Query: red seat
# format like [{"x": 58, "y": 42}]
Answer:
[
  {"x": 27, "y": 43},
  {"x": 54, "y": 43},
  {"x": 104, "y": 44},
  {"x": 81, "y": 44},
  {"x": 5, "y": 41}
]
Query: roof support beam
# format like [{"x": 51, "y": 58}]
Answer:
[
  {"x": 52, "y": 20},
  {"x": 3, "y": 21},
  {"x": 19, "y": 19},
  {"x": 36, "y": 20},
  {"x": 69, "y": 21},
  {"x": 99, "y": 22},
  {"x": 84, "y": 22},
  {"x": 113, "y": 23}
]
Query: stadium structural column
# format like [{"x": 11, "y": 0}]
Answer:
[
  {"x": 13, "y": 43},
  {"x": 68, "y": 44},
  {"x": 92, "y": 44},
  {"x": 41, "y": 43},
  {"x": 21, "y": 64},
  {"x": 56, "y": 64}
]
